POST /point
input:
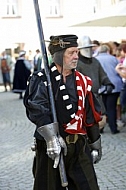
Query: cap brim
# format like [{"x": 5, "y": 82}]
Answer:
[{"x": 88, "y": 46}]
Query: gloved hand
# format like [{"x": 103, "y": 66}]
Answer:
[
  {"x": 54, "y": 149},
  {"x": 109, "y": 89},
  {"x": 96, "y": 151},
  {"x": 54, "y": 142}
]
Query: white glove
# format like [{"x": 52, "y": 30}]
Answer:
[
  {"x": 94, "y": 154},
  {"x": 96, "y": 151}
]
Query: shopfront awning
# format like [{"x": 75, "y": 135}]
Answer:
[
  {"x": 108, "y": 21},
  {"x": 113, "y": 17}
]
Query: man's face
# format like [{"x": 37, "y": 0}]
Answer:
[{"x": 70, "y": 58}]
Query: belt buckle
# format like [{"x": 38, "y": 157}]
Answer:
[{"x": 71, "y": 139}]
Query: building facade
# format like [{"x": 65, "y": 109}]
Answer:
[{"x": 18, "y": 20}]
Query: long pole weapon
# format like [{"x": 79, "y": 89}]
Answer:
[{"x": 46, "y": 68}]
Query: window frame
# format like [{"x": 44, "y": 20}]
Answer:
[
  {"x": 11, "y": 9},
  {"x": 54, "y": 9}
]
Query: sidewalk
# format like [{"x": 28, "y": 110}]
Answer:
[{"x": 16, "y": 156}]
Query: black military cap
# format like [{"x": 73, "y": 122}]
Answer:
[{"x": 58, "y": 43}]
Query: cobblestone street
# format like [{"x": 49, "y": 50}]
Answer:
[{"x": 16, "y": 156}]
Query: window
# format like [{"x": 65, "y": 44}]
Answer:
[
  {"x": 8, "y": 51},
  {"x": 17, "y": 48},
  {"x": 10, "y": 8},
  {"x": 53, "y": 8},
  {"x": 97, "y": 5},
  {"x": 113, "y": 2}
]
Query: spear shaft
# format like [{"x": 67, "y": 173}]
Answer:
[{"x": 62, "y": 171}]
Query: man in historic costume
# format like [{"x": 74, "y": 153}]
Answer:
[
  {"x": 37, "y": 62},
  {"x": 21, "y": 73},
  {"x": 6, "y": 65},
  {"x": 78, "y": 114},
  {"x": 90, "y": 66}
]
